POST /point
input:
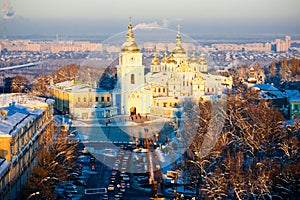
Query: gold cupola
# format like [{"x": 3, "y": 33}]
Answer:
[
  {"x": 194, "y": 59},
  {"x": 130, "y": 45},
  {"x": 202, "y": 60},
  {"x": 165, "y": 58},
  {"x": 171, "y": 59},
  {"x": 178, "y": 49},
  {"x": 155, "y": 60}
]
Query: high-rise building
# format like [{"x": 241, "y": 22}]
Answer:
[{"x": 288, "y": 42}]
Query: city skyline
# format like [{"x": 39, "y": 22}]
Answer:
[{"x": 108, "y": 17}]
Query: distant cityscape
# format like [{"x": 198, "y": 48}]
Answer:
[{"x": 149, "y": 120}]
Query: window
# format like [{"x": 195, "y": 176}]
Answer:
[
  {"x": 132, "y": 79},
  {"x": 84, "y": 99},
  {"x": 164, "y": 89},
  {"x": 97, "y": 99},
  {"x": 102, "y": 99},
  {"x": 159, "y": 90},
  {"x": 108, "y": 98}
]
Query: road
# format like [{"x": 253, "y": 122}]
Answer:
[{"x": 101, "y": 179}]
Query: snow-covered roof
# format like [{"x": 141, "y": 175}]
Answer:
[
  {"x": 21, "y": 109},
  {"x": 266, "y": 87},
  {"x": 294, "y": 99},
  {"x": 269, "y": 91},
  {"x": 292, "y": 93},
  {"x": 17, "y": 117},
  {"x": 71, "y": 87}
]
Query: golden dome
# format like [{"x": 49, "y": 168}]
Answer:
[
  {"x": 155, "y": 60},
  {"x": 165, "y": 58},
  {"x": 130, "y": 45},
  {"x": 198, "y": 76},
  {"x": 194, "y": 59},
  {"x": 178, "y": 49},
  {"x": 202, "y": 59},
  {"x": 171, "y": 59}
]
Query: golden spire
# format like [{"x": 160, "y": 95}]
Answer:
[
  {"x": 130, "y": 35},
  {"x": 178, "y": 49},
  {"x": 178, "y": 38},
  {"x": 129, "y": 45}
]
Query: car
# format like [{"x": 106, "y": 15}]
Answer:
[
  {"x": 128, "y": 185},
  {"x": 83, "y": 159},
  {"x": 77, "y": 171},
  {"x": 117, "y": 197},
  {"x": 80, "y": 183},
  {"x": 73, "y": 176},
  {"x": 78, "y": 167},
  {"x": 112, "y": 180},
  {"x": 125, "y": 177},
  {"x": 71, "y": 189},
  {"x": 114, "y": 173},
  {"x": 110, "y": 187},
  {"x": 122, "y": 186},
  {"x": 92, "y": 159},
  {"x": 123, "y": 170}
]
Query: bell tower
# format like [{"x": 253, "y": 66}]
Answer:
[{"x": 131, "y": 72}]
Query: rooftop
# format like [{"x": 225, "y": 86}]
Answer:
[
  {"x": 269, "y": 91},
  {"x": 73, "y": 87},
  {"x": 20, "y": 110}
]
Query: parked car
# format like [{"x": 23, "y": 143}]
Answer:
[
  {"x": 83, "y": 159},
  {"x": 80, "y": 183},
  {"x": 111, "y": 187},
  {"x": 125, "y": 177}
]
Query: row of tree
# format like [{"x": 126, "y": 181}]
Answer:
[
  {"x": 255, "y": 156},
  {"x": 54, "y": 161}
]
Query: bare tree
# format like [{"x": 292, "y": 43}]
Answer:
[
  {"x": 18, "y": 83},
  {"x": 255, "y": 146},
  {"x": 55, "y": 160}
]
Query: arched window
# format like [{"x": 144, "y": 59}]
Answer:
[{"x": 132, "y": 79}]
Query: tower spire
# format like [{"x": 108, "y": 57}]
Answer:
[
  {"x": 178, "y": 38},
  {"x": 130, "y": 45},
  {"x": 130, "y": 35},
  {"x": 178, "y": 49}
]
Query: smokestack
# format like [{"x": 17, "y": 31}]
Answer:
[{"x": 8, "y": 11}]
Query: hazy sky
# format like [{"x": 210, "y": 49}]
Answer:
[{"x": 111, "y": 16}]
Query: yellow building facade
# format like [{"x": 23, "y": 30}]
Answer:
[
  {"x": 82, "y": 101},
  {"x": 25, "y": 120}
]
